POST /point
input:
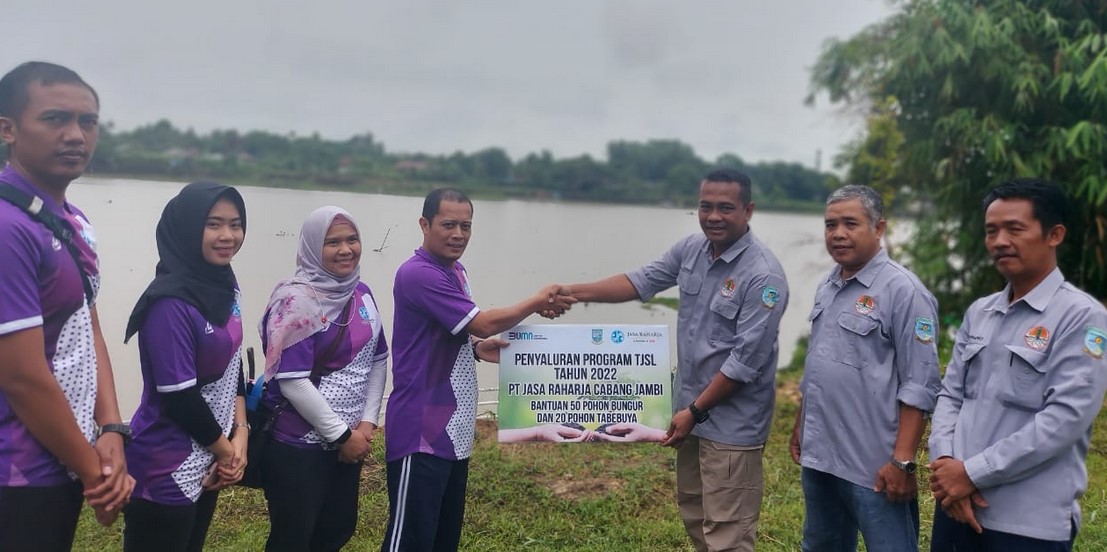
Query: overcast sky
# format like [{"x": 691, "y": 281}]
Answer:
[{"x": 441, "y": 76}]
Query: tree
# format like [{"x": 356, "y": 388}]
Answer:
[
  {"x": 873, "y": 160},
  {"x": 492, "y": 164},
  {"x": 985, "y": 91}
]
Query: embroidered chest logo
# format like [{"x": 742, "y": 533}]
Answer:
[
  {"x": 55, "y": 244},
  {"x": 728, "y": 288},
  {"x": 864, "y": 304},
  {"x": 924, "y": 330},
  {"x": 1094, "y": 339},
  {"x": 208, "y": 330},
  {"x": 364, "y": 314},
  {"x": 1037, "y": 338},
  {"x": 236, "y": 311},
  {"x": 770, "y": 296}
]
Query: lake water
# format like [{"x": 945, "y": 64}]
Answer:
[{"x": 517, "y": 247}]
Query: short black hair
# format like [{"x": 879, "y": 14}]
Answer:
[
  {"x": 1050, "y": 202},
  {"x": 733, "y": 176},
  {"x": 14, "y": 95},
  {"x": 435, "y": 198}
]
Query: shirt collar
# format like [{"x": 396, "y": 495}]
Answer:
[
  {"x": 1038, "y": 298},
  {"x": 867, "y": 275},
  {"x": 735, "y": 248},
  {"x": 430, "y": 258}
]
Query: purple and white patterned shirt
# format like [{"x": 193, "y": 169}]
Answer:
[
  {"x": 343, "y": 379},
  {"x": 40, "y": 286},
  {"x": 433, "y": 405},
  {"x": 179, "y": 349}
]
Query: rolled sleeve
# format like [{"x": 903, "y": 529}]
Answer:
[
  {"x": 737, "y": 371},
  {"x": 756, "y": 329},
  {"x": 660, "y": 274},
  {"x": 918, "y": 396},
  {"x": 916, "y": 361}
]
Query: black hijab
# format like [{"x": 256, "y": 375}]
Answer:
[{"x": 182, "y": 271}]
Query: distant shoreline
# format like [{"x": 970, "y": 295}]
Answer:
[{"x": 407, "y": 188}]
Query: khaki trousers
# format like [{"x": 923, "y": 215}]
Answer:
[{"x": 719, "y": 490}]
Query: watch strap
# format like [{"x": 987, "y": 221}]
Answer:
[
  {"x": 124, "y": 430},
  {"x": 700, "y": 416}
]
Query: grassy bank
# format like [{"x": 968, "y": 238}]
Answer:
[{"x": 585, "y": 497}]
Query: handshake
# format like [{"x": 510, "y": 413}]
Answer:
[
  {"x": 627, "y": 432},
  {"x": 554, "y": 300}
]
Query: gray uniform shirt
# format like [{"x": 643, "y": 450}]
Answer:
[
  {"x": 871, "y": 348},
  {"x": 1018, "y": 401},
  {"x": 730, "y": 311}
]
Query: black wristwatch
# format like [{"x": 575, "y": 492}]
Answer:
[
  {"x": 908, "y": 466},
  {"x": 341, "y": 440},
  {"x": 124, "y": 430},
  {"x": 700, "y": 416}
]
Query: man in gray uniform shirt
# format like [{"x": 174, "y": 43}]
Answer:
[
  {"x": 870, "y": 377},
  {"x": 1014, "y": 417},
  {"x": 732, "y": 295}
]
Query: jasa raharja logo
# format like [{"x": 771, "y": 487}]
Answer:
[{"x": 525, "y": 336}]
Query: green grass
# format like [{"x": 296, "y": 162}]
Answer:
[
  {"x": 587, "y": 497},
  {"x": 670, "y": 302}
]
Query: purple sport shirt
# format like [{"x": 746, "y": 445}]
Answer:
[
  {"x": 40, "y": 286},
  {"x": 179, "y": 349},
  {"x": 433, "y": 405},
  {"x": 343, "y": 379}
]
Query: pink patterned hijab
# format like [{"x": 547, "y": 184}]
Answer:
[{"x": 312, "y": 299}]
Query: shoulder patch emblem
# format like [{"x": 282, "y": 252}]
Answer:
[
  {"x": 924, "y": 330},
  {"x": 1037, "y": 338},
  {"x": 728, "y": 288},
  {"x": 770, "y": 296},
  {"x": 864, "y": 304},
  {"x": 1094, "y": 339}
]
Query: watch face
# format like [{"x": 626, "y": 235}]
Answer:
[{"x": 909, "y": 466}]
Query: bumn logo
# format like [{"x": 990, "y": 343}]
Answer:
[{"x": 520, "y": 336}]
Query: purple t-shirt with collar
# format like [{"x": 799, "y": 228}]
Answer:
[
  {"x": 179, "y": 349},
  {"x": 343, "y": 379},
  {"x": 40, "y": 286},
  {"x": 433, "y": 405}
]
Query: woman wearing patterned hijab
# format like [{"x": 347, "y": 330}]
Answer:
[
  {"x": 190, "y": 430},
  {"x": 326, "y": 360}
]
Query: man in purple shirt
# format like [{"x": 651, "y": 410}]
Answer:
[
  {"x": 56, "y": 382},
  {"x": 432, "y": 409}
]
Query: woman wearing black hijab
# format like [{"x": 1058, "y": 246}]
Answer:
[{"x": 189, "y": 432}]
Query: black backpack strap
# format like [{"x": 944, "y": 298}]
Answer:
[{"x": 61, "y": 229}]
